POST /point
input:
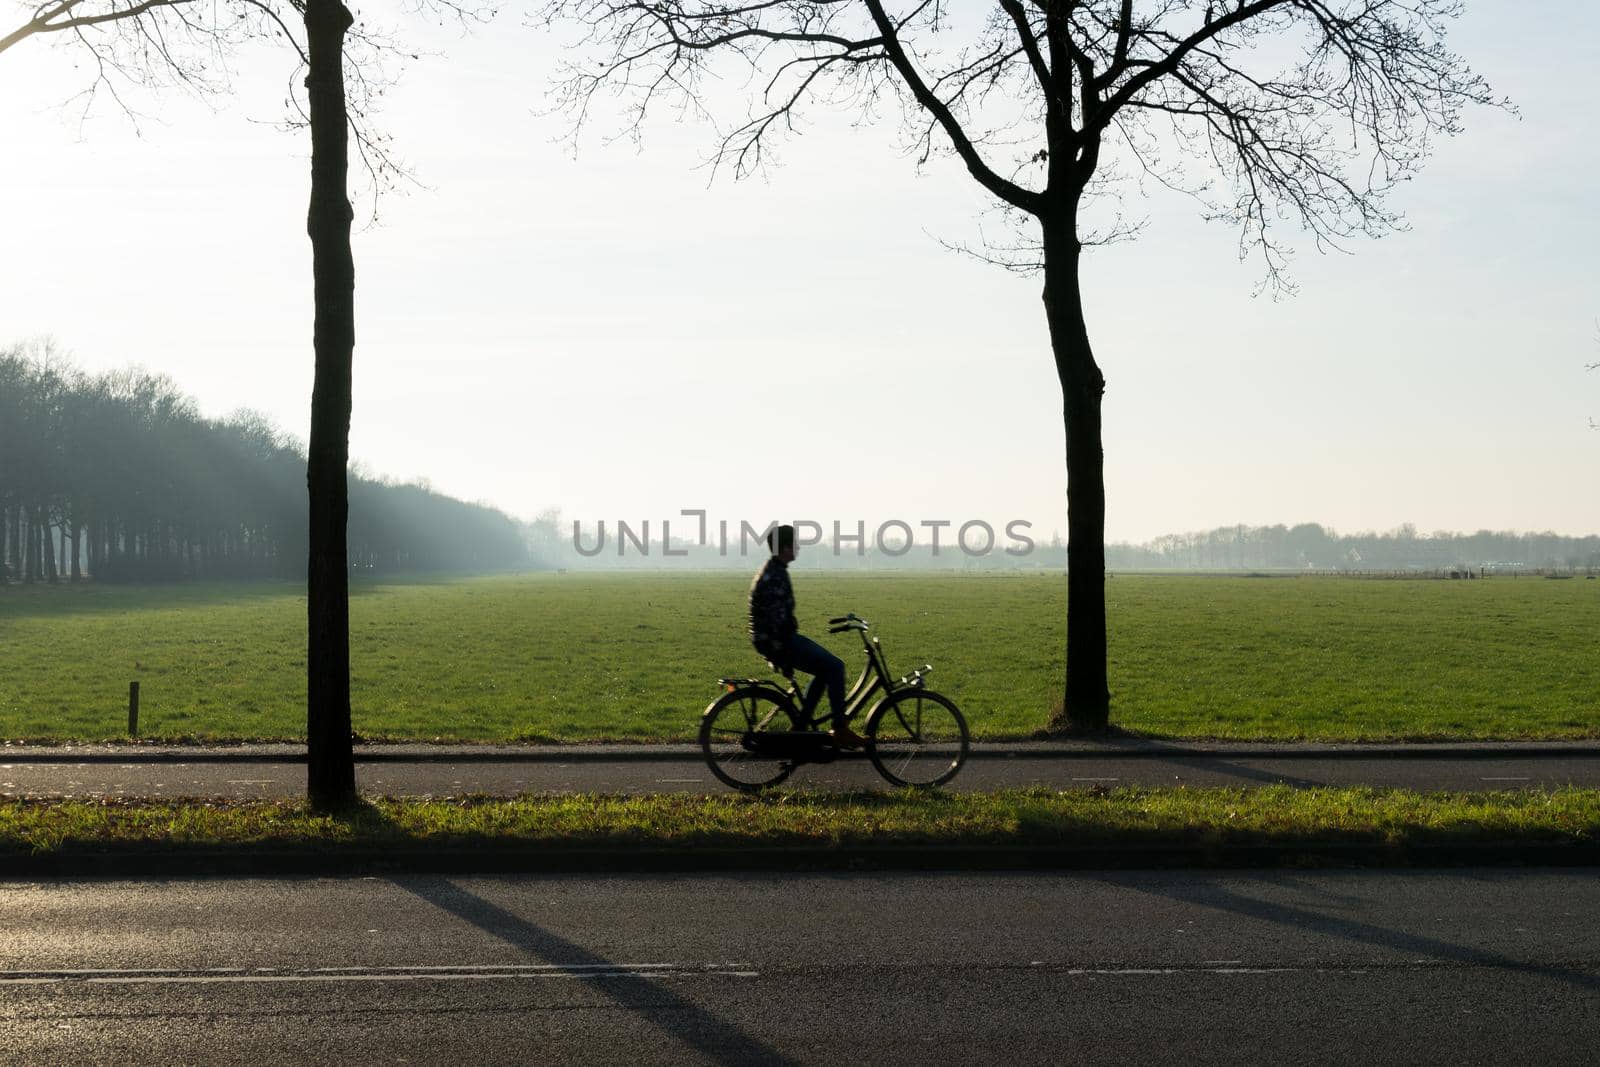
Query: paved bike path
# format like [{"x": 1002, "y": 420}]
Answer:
[{"x": 418, "y": 770}]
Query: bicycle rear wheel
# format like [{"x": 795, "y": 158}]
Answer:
[
  {"x": 918, "y": 738},
  {"x": 726, "y": 731}
]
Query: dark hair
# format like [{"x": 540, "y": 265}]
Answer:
[{"x": 780, "y": 538}]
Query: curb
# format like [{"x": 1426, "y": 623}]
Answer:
[
  {"x": 536, "y": 861},
  {"x": 622, "y": 753}
]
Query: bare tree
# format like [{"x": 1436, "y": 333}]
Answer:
[
  {"x": 330, "y": 760},
  {"x": 187, "y": 43},
  {"x": 1268, "y": 112}
]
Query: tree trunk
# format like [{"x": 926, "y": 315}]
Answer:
[
  {"x": 47, "y": 547},
  {"x": 1086, "y": 700},
  {"x": 330, "y": 762},
  {"x": 77, "y": 551}
]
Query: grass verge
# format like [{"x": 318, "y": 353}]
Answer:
[{"x": 863, "y": 824}]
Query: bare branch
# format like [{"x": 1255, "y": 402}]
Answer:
[
  {"x": 1030, "y": 44},
  {"x": 1195, "y": 94},
  {"x": 1012, "y": 194},
  {"x": 1169, "y": 63},
  {"x": 186, "y": 44},
  {"x": 55, "y": 18}
]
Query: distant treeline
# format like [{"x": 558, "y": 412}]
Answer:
[
  {"x": 118, "y": 477},
  {"x": 1306, "y": 547},
  {"x": 1313, "y": 547}
]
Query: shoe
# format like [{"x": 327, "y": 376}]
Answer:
[{"x": 845, "y": 737}]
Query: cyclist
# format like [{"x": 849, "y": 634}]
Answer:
[{"x": 776, "y": 635}]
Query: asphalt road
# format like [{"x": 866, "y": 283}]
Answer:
[
  {"x": 278, "y": 776},
  {"x": 1413, "y": 967}
]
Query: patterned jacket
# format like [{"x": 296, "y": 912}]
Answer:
[{"x": 772, "y": 609}]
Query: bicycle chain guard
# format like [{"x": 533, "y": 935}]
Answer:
[{"x": 802, "y": 746}]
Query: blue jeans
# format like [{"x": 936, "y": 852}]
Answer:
[{"x": 826, "y": 670}]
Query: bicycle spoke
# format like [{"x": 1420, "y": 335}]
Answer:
[
  {"x": 920, "y": 739},
  {"x": 726, "y": 732}
]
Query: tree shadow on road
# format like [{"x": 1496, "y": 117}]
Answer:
[
  {"x": 1208, "y": 893},
  {"x": 1231, "y": 768},
  {"x": 718, "y": 1040}
]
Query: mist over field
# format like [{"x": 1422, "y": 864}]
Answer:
[
  {"x": 978, "y": 545},
  {"x": 117, "y": 476}
]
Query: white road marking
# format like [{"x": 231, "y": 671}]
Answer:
[
  {"x": 262, "y": 979},
  {"x": 501, "y": 967},
  {"x": 1148, "y": 971},
  {"x": 1256, "y": 970},
  {"x": 83, "y": 972},
  {"x": 1125, "y": 970},
  {"x": 480, "y": 972},
  {"x": 1507, "y": 778}
]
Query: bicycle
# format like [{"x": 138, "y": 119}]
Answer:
[{"x": 757, "y": 733}]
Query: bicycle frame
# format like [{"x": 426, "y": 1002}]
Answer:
[{"x": 873, "y": 680}]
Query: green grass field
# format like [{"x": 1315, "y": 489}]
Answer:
[
  {"x": 1269, "y": 815},
  {"x": 635, "y": 657}
]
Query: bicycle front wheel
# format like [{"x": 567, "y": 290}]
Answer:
[
  {"x": 918, "y": 738},
  {"x": 728, "y": 732}
]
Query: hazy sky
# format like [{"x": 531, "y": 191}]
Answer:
[{"x": 609, "y": 335}]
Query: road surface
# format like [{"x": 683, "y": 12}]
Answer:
[
  {"x": 280, "y": 773},
  {"x": 1415, "y": 967}
]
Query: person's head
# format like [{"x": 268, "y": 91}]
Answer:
[{"x": 780, "y": 541}]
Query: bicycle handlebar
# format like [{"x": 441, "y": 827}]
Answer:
[{"x": 851, "y": 621}]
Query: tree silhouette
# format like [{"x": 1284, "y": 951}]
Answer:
[
  {"x": 330, "y": 760},
  {"x": 1401, "y": 550},
  {"x": 122, "y": 470},
  {"x": 178, "y": 41},
  {"x": 1268, "y": 112}
]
